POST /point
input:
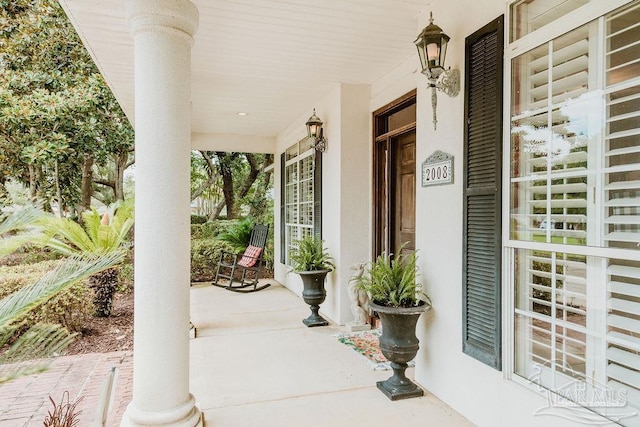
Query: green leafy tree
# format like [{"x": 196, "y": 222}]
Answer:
[
  {"x": 58, "y": 118},
  {"x": 238, "y": 181}
]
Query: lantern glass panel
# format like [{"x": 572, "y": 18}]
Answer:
[
  {"x": 421, "y": 54},
  {"x": 443, "y": 51},
  {"x": 313, "y": 130}
]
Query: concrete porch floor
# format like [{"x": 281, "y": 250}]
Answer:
[{"x": 253, "y": 363}]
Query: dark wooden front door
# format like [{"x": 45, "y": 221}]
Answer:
[
  {"x": 404, "y": 192},
  {"x": 394, "y": 176}
]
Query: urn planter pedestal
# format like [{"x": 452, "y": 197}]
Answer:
[
  {"x": 314, "y": 295},
  {"x": 399, "y": 345}
]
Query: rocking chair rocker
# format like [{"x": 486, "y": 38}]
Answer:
[{"x": 248, "y": 264}]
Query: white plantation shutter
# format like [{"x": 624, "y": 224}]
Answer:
[
  {"x": 621, "y": 207},
  {"x": 575, "y": 181}
]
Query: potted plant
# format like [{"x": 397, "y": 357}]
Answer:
[
  {"x": 399, "y": 300},
  {"x": 312, "y": 262}
]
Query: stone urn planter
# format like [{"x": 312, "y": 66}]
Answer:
[
  {"x": 312, "y": 262},
  {"x": 314, "y": 295},
  {"x": 396, "y": 296},
  {"x": 399, "y": 345}
]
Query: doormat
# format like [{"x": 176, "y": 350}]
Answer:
[{"x": 367, "y": 345}]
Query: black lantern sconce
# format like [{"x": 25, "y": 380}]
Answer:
[
  {"x": 314, "y": 131},
  {"x": 432, "y": 49}
]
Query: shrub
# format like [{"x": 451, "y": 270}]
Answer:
[
  {"x": 208, "y": 230},
  {"x": 29, "y": 254},
  {"x": 205, "y": 254},
  {"x": 68, "y": 308},
  {"x": 125, "y": 282},
  {"x": 198, "y": 219}
]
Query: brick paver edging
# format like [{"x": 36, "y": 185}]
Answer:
[{"x": 25, "y": 401}]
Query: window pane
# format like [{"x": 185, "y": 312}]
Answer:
[
  {"x": 306, "y": 168},
  {"x": 291, "y": 152},
  {"x": 306, "y": 144},
  {"x": 306, "y": 191},
  {"x": 623, "y": 51},
  {"x": 551, "y": 307},
  {"x": 575, "y": 180},
  {"x": 530, "y": 15},
  {"x": 555, "y": 119},
  {"x": 299, "y": 194},
  {"x": 531, "y": 77}
]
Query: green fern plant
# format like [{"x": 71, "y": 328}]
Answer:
[
  {"x": 19, "y": 227},
  {"x": 238, "y": 235},
  {"x": 392, "y": 282},
  {"x": 309, "y": 254}
]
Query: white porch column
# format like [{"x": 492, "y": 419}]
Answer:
[{"x": 163, "y": 34}]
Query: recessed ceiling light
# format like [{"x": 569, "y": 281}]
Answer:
[{"x": 242, "y": 113}]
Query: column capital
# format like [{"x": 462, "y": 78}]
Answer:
[{"x": 163, "y": 15}]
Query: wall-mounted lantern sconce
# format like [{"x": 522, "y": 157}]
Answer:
[
  {"x": 432, "y": 49},
  {"x": 314, "y": 130}
]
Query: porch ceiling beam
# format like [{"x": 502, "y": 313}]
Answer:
[{"x": 233, "y": 143}]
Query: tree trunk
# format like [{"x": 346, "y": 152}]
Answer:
[
  {"x": 58, "y": 190},
  {"x": 87, "y": 182},
  {"x": 211, "y": 179},
  {"x": 216, "y": 210},
  {"x": 121, "y": 161},
  {"x": 32, "y": 181},
  {"x": 227, "y": 186},
  {"x": 254, "y": 171}
]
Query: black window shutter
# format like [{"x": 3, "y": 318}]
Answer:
[
  {"x": 283, "y": 240},
  {"x": 317, "y": 195},
  {"x": 482, "y": 332}
]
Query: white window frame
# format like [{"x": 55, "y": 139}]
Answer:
[
  {"x": 582, "y": 16},
  {"x": 302, "y": 229}
]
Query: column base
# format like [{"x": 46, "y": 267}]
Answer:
[{"x": 187, "y": 415}]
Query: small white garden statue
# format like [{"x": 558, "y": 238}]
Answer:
[{"x": 359, "y": 301}]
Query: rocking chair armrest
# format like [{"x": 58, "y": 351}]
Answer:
[{"x": 226, "y": 255}]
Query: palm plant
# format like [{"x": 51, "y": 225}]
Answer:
[
  {"x": 42, "y": 340},
  {"x": 19, "y": 228},
  {"x": 392, "y": 282},
  {"x": 100, "y": 236},
  {"x": 238, "y": 235},
  {"x": 309, "y": 254}
]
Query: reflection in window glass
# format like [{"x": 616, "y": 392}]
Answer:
[
  {"x": 530, "y": 15},
  {"x": 575, "y": 181}
]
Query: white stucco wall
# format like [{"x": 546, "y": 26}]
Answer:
[
  {"x": 478, "y": 392},
  {"x": 346, "y": 184}
]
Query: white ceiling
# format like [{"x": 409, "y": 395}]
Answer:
[{"x": 270, "y": 58}]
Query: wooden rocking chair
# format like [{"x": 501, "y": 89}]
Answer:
[{"x": 247, "y": 264}]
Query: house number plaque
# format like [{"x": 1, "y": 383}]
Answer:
[{"x": 437, "y": 169}]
